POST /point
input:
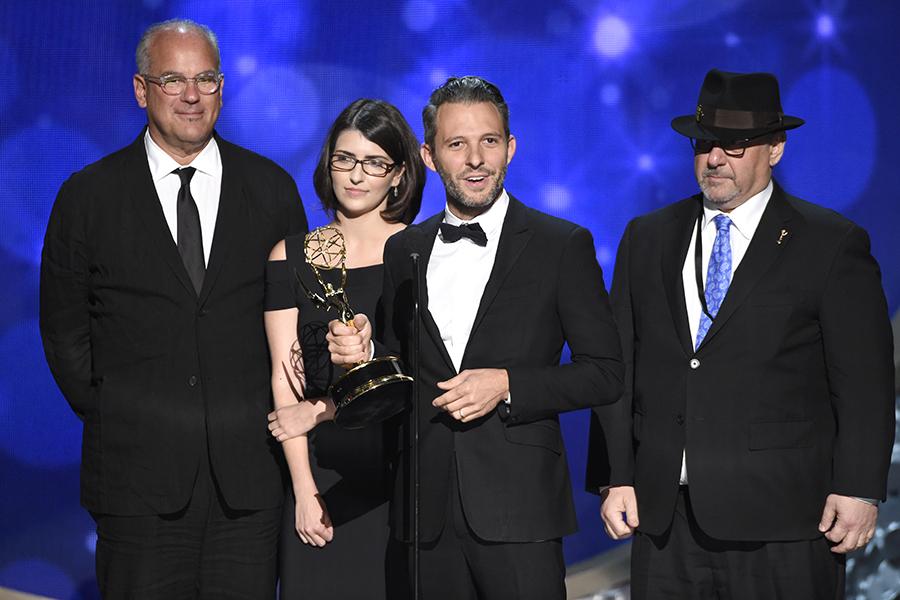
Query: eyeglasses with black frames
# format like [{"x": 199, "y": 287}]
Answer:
[
  {"x": 370, "y": 166},
  {"x": 734, "y": 149},
  {"x": 174, "y": 85}
]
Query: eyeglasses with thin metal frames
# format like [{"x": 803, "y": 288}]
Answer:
[
  {"x": 174, "y": 85},
  {"x": 370, "y": 166}
]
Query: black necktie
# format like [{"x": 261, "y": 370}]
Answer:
[
  {"x": 473, "y": 231},
  {"x": 190, "y": 238}
]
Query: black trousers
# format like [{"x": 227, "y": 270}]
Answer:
[
  {"x": 461, "y": 566},
  {"x": 685, "y": 563},
  {"x": 206, "y": 550}
]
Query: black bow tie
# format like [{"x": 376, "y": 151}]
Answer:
[{"x": 473, "y": 231}]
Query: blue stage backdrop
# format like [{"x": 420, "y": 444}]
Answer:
[{"x": 591, "y": 84}]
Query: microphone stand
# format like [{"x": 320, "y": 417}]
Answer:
[{"x": 417, "y": 288}]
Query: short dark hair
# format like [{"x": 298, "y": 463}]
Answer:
[
  {"x": 381, "y": 123},
  {"x": 466, "y": 90}
]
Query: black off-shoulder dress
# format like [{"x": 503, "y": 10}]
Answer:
[{"x": 350, "y": 467}]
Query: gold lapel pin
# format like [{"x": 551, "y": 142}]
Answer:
[{"x": 783, "y": 235}]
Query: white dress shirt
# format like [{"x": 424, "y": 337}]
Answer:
[
  {"x": 457, "y": 274},
  {"x": 744, "y": 221},
  {"x": 206, "y": 185}
]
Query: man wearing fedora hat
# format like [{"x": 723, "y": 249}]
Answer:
[{"x": 753, "y": 439}]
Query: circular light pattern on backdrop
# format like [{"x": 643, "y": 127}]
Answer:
[
  {"x": 275, "y": 113},
  {"x": 610, "y": 94},
  {"x": 612, "y": 36},
  {"x": 419, "y": 15},
  {"x": 829, "y": 159},
  {"x": 555, "y": 198},
  {"x": 48, "y": 434},
  {"x": 825, "y": 26},
  {"x": 35, "y": 162}
]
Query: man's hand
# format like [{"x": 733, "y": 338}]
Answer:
[
  {"x": 349, "y": 344},
  {"x": 311, "y": 518},
  {"x": 297, "y": 419},
  {"x": 618, "y": 500},
  {"x": 473, "y": 393},
  {"x": 848, "y": 522}
]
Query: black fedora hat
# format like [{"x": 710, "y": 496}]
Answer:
[{"x": 736, "y": 106}]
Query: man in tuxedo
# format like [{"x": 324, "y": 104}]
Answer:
[
  {"x": 152, "y": 282},
  {"x": 752, "y": 443},
  {"x": 505, "y": 287}
]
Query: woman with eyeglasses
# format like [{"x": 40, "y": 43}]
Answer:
[{"x": 370, "y": 179}]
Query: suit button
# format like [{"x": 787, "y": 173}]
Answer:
[
  {"x": 695, "y": 363},
  {"x": 203, "y": 312},
  {"x": 679, "y": 419},
  {"x": 192, "y": 381}
]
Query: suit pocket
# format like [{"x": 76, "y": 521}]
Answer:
[
  {"x": 787, "y": 434},
  {"x": 535, "y": 434}
]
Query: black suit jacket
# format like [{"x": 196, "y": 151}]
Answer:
[
  {"x": 152, "y": 370},
  {"x": 788, "y": 398},
  {"x": 546, "y": 289}
]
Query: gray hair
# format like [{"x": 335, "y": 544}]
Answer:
[{"x": 142, "y": 54}]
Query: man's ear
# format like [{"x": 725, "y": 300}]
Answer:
[
  {"x": 776, "y": 151},
  {"x": 140, "y": 90},
  {"x": 427, "y": 157},
  {"x": 510, "y": 148}
]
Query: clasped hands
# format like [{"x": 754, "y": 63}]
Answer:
[
  {"x": 847, "y": 522},
  {"x": 469, "y": 395}
]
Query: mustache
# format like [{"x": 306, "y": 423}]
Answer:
[
  {"x": 715, "y": 173},
  {"x": 480, "y": 173}
]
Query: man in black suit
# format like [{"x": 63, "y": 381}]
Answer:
[
  {"x": 505, "y": 287},
  {"x": 752, "y": 442},
  {"x": 151, "y": 317}
]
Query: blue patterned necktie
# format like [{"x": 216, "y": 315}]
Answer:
[{"x": 718, "y": 274}]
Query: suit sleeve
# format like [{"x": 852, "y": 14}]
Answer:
[
  {"x": 64, "y": 309},
  {"x": 610, "y": 445},
  {"x": 594, "y": 376},
  {"x": 857, "y": 339}
]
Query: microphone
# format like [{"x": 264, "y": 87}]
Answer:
[{"x": 417, "y": 294}]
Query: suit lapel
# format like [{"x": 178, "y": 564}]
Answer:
[
  {"x": 514, "y": 236},
  {"x": 228, "y": 217},
  {"x": 765, "y": 247},
  {"x": 678, "y": 236},
  {"x": 136, "y": 177},
  {"x": 421, "y": 239}
]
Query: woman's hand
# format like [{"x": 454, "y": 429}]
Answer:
[
  {"x": 311, "y": 518},
  {"x": 298, "y": 419}
]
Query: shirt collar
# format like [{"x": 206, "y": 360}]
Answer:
[
  {"x": 208, "y": 161},
  {"x": 745, "y": 217},
  {"x": 491, "y": 220}
]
